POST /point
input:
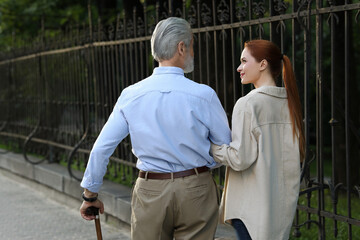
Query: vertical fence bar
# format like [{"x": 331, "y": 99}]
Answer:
[
  {"x": 103, "y": 84},
  {"x": 333, "y": 121},
  {"x": 136, "y": 49},
  {"x": 97, "y": 71},
  {"x": 319, "y": 106},
  {"x": 207, "y": 39},
  {"x": 242, "y": 33},
  {"x": 147, "y": 72},
  {"x": 73, "y": 82},
  {"x": 306, "y": 82},
  {"x": 347, "y": 118},
  {"x": 107, "y": 93},
  {"x": 306, "y": 29},
  {"x": 113, "y": 76},
  {"x": 250, "y": 17},
  {"x": 215, "y": 49},
  {"x": 271, "y": 12},
  {"x": 224, "y": 38},
  {"x": 233, "y": 54},
  {"x": 199, "y": 42},
  {"x": 293, "y": 40}
]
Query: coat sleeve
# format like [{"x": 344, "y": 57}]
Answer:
[{"x": 243, "y": 150}]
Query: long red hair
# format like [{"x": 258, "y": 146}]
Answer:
[{"x": 263, "y": 49}]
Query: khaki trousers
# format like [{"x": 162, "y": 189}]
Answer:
[{"x": 181, "y": 208}]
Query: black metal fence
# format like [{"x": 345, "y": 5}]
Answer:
[{"x": 56, "y": 94}]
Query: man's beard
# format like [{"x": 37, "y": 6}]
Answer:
[{"x": 189, "y": 64}]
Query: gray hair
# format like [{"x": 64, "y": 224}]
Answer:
[{"x": 166, "y": 36}]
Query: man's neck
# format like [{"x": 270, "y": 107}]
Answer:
[{"x": 173, "y": 62}]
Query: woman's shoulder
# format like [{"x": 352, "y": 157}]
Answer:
[
  {"x": 249, "y": 100},
  {"x": 256, "y": 102}
]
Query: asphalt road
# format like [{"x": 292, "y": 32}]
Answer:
[{"x": 26, "y": 213}]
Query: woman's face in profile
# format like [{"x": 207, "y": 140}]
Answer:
[{"x": 249, "y": 68}]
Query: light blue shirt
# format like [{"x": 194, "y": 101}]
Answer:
[{"x": 171, "y": 121}]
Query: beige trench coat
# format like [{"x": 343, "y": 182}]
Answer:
[{"x": 263, "y": 174}]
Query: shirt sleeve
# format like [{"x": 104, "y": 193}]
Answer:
[
  {"x": 113, "y": 132},
  {"x": 219, "y": 126},
  {"x": 243, "y": 150}
]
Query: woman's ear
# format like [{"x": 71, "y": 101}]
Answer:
[{"x": 263, "y": 64}]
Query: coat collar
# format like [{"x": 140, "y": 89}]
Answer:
[{"x": 279, "y": 92}]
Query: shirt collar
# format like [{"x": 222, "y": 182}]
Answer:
[
  {"x": 279, "y": 92},
  {"x": 168, "y": 70}
]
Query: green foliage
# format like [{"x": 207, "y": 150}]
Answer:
[
  {"x": 117, "y": 173},
  {"x": 14, "y": 146},
  {"x": 121, "y": 174},
  {"x": 23, "y": 20}
]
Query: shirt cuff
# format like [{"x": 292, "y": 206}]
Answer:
[{"x": 92, "y": 187}]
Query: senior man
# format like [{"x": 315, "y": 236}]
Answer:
[{"x": 171, "y": 121}]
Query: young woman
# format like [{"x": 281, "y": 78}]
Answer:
[{"x": 263, "y": 160}]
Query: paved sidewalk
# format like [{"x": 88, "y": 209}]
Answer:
[
  {"x": 29, "y": 214},
  {"x": 28, "y": 210}
]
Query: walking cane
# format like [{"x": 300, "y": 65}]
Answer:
[{"x": 95, "y": 212}]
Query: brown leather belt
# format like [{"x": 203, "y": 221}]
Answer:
[{"x": 152, "y": 175}]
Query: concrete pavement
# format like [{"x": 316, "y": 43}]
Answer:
[
  {"x": 24, "y": 210},
  {"x": 27, "y": 213}
]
